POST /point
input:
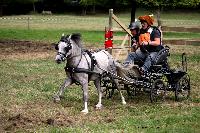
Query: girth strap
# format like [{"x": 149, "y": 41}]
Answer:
[{"x": 79, "y": 70}]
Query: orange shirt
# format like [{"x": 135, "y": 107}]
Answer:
[{"x": 144, "y": 38}]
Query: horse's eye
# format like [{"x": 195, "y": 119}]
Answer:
[{"x": 56, "y": 46}]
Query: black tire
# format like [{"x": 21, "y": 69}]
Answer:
[
  {"x": 182, "y": 90},
  {"x": 109, "y": 85},
  {"x": 131, "y": 91},
  {"x": 108, "y": 89},
  {"x": 158, "y": 91}
]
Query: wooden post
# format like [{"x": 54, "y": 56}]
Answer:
[
  {"x": 110, "y": 26},
  {"x": 110, "y": 19},
  {"x": 133, "y": 10},
  {"x": 28, "y": 23},
  {"x": 122, "y": 46},
  {"x": 122, "y": 25}
]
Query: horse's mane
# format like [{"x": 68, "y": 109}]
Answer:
[{"x": 76, "y": 37}]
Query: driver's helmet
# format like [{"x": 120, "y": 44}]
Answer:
[{"x": 134, "y": 25}]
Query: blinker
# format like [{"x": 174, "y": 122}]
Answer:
[
  {"x": 56, "y": 46},
  {"x": 68, "y": 48}
]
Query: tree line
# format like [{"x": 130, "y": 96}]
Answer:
[{"x": 90, "y": 6}]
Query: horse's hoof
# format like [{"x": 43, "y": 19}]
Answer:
[
  {"x": 124, "y": 103},
  {"x": 99, "y": 106},
  {"x": 85, "y": 111},
  {"x": 56, "y": 99}
]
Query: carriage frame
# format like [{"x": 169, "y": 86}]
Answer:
[{"x": 157, "y": 82}]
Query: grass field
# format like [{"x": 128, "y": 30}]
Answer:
[
  {"x": 29, "y": 77},
  {"x": 49, "y": 28}
]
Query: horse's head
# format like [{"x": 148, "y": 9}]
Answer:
[
  {"x": 65, "y": 45},
  {"x": 63, "y": 48}
]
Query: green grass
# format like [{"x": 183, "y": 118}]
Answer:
[
  {"x": 180, "y": 35},
  {"x": 92, "y": 38},
  {"x": 27, "y": 87}
]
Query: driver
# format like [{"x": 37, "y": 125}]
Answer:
[{"x": 149, "y": 44}]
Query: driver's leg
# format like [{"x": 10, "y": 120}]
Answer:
[
  {"x": 135, "y": 56},
  {"x": 149, "y": 61}
]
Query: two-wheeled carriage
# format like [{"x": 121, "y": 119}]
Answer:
[{"x": 157, "y": 82}]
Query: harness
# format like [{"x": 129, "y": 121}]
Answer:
[{"x": 73, "y": 70}]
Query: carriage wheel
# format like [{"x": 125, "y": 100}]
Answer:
[
  {"x": 108, "y": 88},
  {"x": 183, "y": 88},
  {"x": 131, "y": 91},
  {"x": 158, "y": 91}
]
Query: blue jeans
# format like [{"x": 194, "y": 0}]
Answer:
[{"x": 138, "y": 55}]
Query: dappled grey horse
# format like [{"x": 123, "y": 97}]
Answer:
[{"x": 83, "y": 66}]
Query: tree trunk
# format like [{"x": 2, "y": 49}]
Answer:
[
  {"x": 93, "y": 9},
  {"x": 1, "y": 10},
  {"x": 84, "y": 10},
  {"x": 133, "y": 10},
  {"x": 33, "y": 7}
]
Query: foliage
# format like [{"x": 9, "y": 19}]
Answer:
[
  {"x": 142, "y": 3},
  {"x": 169, "y": 3},
  {"x": 18, "y": 1}
]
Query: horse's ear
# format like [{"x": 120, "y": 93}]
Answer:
[
  {"x": 63, "y": 37},
  {"x": 76, "y": 37}
]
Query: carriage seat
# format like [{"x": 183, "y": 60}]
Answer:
[{"x": 161, "y": 56}]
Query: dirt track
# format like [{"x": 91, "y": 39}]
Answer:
[
  {"x": 25, "y": 49},
  {"x": 8, "y": 47},
  {"x": 13, "y": 49}
]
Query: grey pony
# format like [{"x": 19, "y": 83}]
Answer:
[{"x": 70, "y": 48}]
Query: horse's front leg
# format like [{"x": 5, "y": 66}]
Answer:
[
  {"x": 98, "y": 86},
  {"x": 84, "y": 85},
  {"x": 66, "y": 83}
]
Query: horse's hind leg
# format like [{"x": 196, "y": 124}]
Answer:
[
  {"x": 66, "y": 83},
  {"x": 122, "y": 97},
  {"x": 98, "y": 86}
]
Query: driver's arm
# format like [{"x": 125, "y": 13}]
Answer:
[{"x": 156, "y": 42}]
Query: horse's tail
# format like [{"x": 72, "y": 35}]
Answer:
[
  {"x": 126, "y": 72},
  {"x": 120, "y": 71},
  {"x": 117, "y": 68}
]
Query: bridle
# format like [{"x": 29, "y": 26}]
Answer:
[{"x": 69, "y": 47}]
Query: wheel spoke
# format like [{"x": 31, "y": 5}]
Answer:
[{"x": 158, "y": 90}]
